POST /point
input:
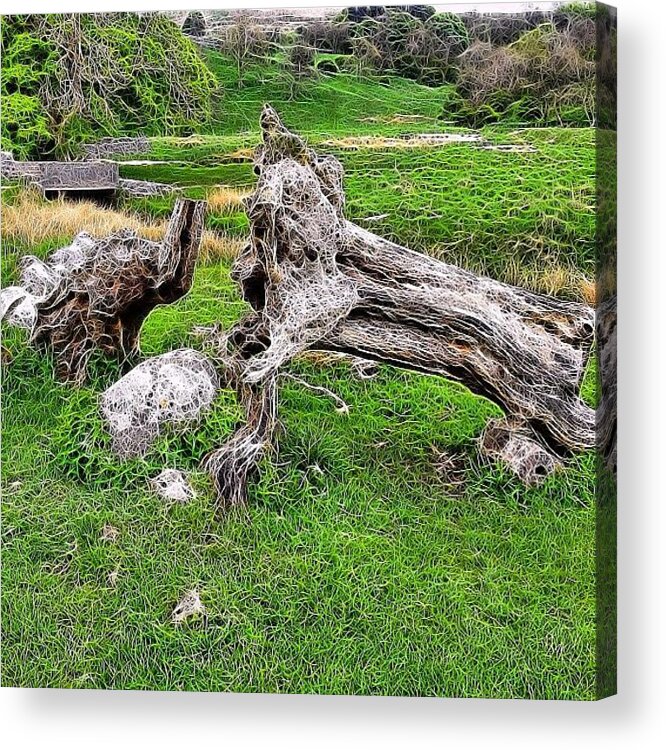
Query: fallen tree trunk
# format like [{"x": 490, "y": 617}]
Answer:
[
  {"x": 317, "y": 281},
  {"x": 96, "y": 293}
]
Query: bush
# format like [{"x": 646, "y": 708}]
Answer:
[
  {"x": 422, "y": 12},
  {"x": 299, "y": 64},
  {"x": 327, "y": 36},
  {"x": 500, "y": 29},
  {"x": 301, "y": 60},
  {"x": 358, "y": 14},
  {"x": 195, "y": 24},
  {"x": 401, "y": 43},
  {"x": 544, "y": 76},
  {"x": 25, "y": 128},
  {"x": 81, "y": 77},
  {"x": 245, "y": 42}
]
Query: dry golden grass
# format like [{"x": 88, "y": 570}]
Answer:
[
  {"x": 588, "y": 291},
  {"x": 224, "y": 199},
  {"x": 552, "y": 279},
  {"x": 396, "y": 119},
  {"x": 241, "y": 154},
  {"x": 557, "y": 281},
  {"x": 607, "y": 282},
  {"x": 30, "y": 220}
]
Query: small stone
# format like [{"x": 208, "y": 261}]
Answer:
[
  {"x": 171, "y": 484},
  {"x": 110, "y": 533},
  {"x": 187, "y": 607}
]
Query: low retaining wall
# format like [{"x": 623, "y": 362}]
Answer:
[
  {"x": 116, "y": 147},
  {"x": 61, "y": 175},
  {"x": 145, "y": 189}
]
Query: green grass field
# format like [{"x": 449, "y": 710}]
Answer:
[{"x": 378, "y": 554}]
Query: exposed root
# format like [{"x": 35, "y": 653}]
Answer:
[
  {"x": 340, "y": 406},
  {"x": 232, "y": 465},
  {"x": 364, "y": 369}
]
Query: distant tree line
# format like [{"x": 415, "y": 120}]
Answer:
[
  {"x": 68, "y": 78},
  {"x": 533, "y": 67}
]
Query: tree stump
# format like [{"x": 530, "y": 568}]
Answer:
[{"x": 96, "y": 293}]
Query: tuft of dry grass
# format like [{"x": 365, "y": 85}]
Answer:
[
  {"x": 225, "y": 200},
  {"x": 606, "y": 285},
  {"x": 241, "y": 154},
  {"x": 31, "y": 220},
  {"x": 549, "y": 278},
  {"x": 588, "y": 291},
  {"x": 556, "y": 280},
  {"x": 396, "y": 119},
  {"x": 109, "y": 533}
]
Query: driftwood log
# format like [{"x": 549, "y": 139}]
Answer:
[
  {"x": 316, "y": 281},
  {"x": 96, "y": 293}
]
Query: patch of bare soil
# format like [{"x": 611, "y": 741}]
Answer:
[
  {"x": 425, "y": 140},
  {"x": 396, "y": 119},
  {"x": 414, "y": 140}
]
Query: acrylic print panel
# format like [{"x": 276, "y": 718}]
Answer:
[{"x": 309, "y": 351}]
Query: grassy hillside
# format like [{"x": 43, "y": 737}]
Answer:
[
  {"x": 517, "y": 205},
  {"x": 377, "y": 554}
]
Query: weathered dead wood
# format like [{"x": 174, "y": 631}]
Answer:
[
  {"x": 96, "y": 293},
  {"x": 317, "y": 281}
]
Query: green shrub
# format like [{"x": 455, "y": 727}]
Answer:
[
  {"x": 328, "y": 36},
  {"x": 546, "y": 76},
  {"x": 25, "y": 128},
  {"x": 79, "y": 77},
  {"x": 419, "y": 48},
  {"x": 450, "y": 28}
]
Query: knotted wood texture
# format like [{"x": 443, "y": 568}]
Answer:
[
  {"x": 317, "y": 281},
  {"x": 96, "y": 293}
]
